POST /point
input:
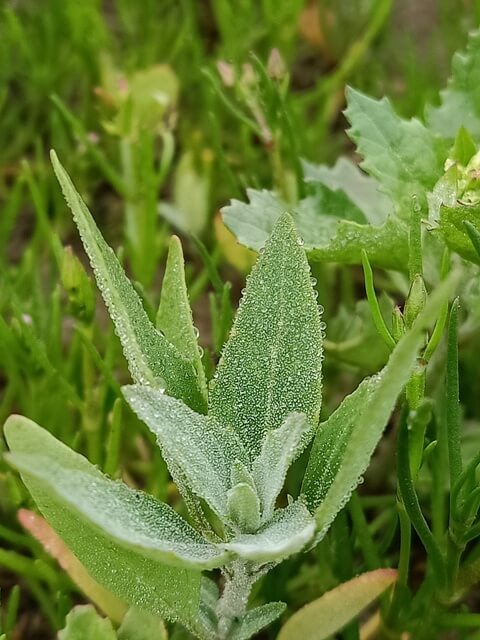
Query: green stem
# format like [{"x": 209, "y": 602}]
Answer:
[{"x": 453, "y": 405}]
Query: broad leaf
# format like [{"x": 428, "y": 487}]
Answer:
[
  {"x": 139, "y": 625},
  {"x": 327, "y": 615},
  {"x": 401, "y": 154},
  {"x": 271, "y": 364},
  {"x": 84, "y": 622},
  {"x": 368, "y": 410},
  {"x": 288, "y": 532},
  {"x": 138, "y": 580},
  {"x": 152, "y": 359},
  {"x": 257, "y": 619},
  {"x": 327, "y": 238},
  {"x": 202, "y": 448},
  {"x": 361, "y": 190},
  {"x": 279, "y": 448},
  {"x": 460, "y": 101},
  {"x": 174, "y": 316}
]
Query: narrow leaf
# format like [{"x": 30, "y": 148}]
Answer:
[
  {"x": 257, "y": 619},
  {"x": 174, "y": 316},
  {"x": 279, "y": 448},
  {"x": 271, "y": 364},
  {"x": 199, "y": 446},
  {"x": 288, "y": 532},
  {"x": 163, "y": 590},
  {"x": 151, "y": 358},
  {"x": 357, "y": 442},
  {"x": 327, "y": 615}
]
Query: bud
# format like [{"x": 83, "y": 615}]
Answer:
[
  {"x": 398, "y": 324},
  {"x": 78, "y": 286},
  {"x": 276, "y": 68},
  {"x": 417, "y": 297}
]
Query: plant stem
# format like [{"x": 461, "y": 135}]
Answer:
[{"x": 233, "y": 602}]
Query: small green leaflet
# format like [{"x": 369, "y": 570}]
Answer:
[
  {"x": 139, "y": 625},
  {"x": 453, "y": 230},
  {"x": 166, "y": 591},
  {"x": 152, "y": 359},
  {"x": 271, "y": 364},
  {"x": 84, "y": 622},
  {"x": 327, "y": 237},
  {"x": 401, "y": 154},
  {"x": 257, "y": 619},
  {"x": 327, "y": 615},
  {"x": 460, "y": 101}
]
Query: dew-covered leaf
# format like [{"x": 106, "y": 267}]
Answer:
[
  {"x": 130, "y": 575},
  {"x": 460, "y": 101},
  {"x": 257, "y": 619},
  {"x": 174, "y": 316},
  {"x": 327, "y": 615},
  {"x": 368, "y": 410},
  {"x": 84, "y": 622},
  {"x": 327, "y": 238},
  {"x": 271, "y": 364},
  {"x": 401, "y": 154},
  {"x": 279, "y": 448},
  {"x": 362, "y": 190},
  {"x": 288, "y": 532},
  {"x": 140, "y": 625},
  {"x": 202, "y": 448},
  {"x": 39, "y": 528},
  {"x": 244, "y": 507},
  {"x": 152, "y": 359}
]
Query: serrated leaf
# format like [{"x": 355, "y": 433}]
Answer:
[
  {"x": 326, "y": 237},
  {"x": 271, "y": 364},
  {"x": 166, "y": 591},
  {"x": 401, "y": 154},
  {"x": 327, "y": 615},
  {"x": 140, "y": 625},
  {"x": 152, "y": 359},
  {"x": 288, "y": 532},
  {"x": 460, "y": 101},
  {"x": 279, "y": 448},
  {"x": 174, "y": 316},
  {"x": 84, "y": 622},
  {"x": 453, "y": 231},
  {"x": 199, "y": 445},
  {"x": 257, "y": 619},
  {"x": 361, "y": 190},
  {"x": 368, "y": 412}
]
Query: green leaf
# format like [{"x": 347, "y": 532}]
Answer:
[
  {"x": 151, "y": 358},
  {"x": 400, "y": 154},
  {"x": 464, "y": 147},
  {"x": 141, "y": 581},
  {"x": 453, "y": 230},
  {"x": 279, "y": 448},
  {"x": 327, "y": 615},
  {"x": 257, "y": 619},
  {"x": 460, "y": 101},
  {"x": 326, "y": 237},
  {"x": 202, "y": 448},
  {"x": 361, "y": 190},
  {"x": 353, "y": 431},
  {"x": 84, "y": 622},
  {"x": 140, "y": 625},
  {"x": 244, "y": 507},
  {"x": 271, "y": 364},
  {"x": 174, "y": 316},
  {"x": 288, "y": 532}
]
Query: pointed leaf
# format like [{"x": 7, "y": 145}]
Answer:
[
  {"x": 368, "y": 410},
  {"x": 280, "y": 447},
  {"x": 174, "y": 316},
  {"x": 271, "y": 364},
  {"x": 288, "y": 532},
  {"x": 327, "y": 238},
  {"x": 84, "y": 622},
  {"x": 151, "y": 358},
  {"x": 198, "y": 445},
  {"x": 400, "y": 154},
  {"x": 127, "y": 573},
  {"x": 327, "y": 615},
  {"x": 460, "y": 101},
  {"x": 257, "y": 619}
]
